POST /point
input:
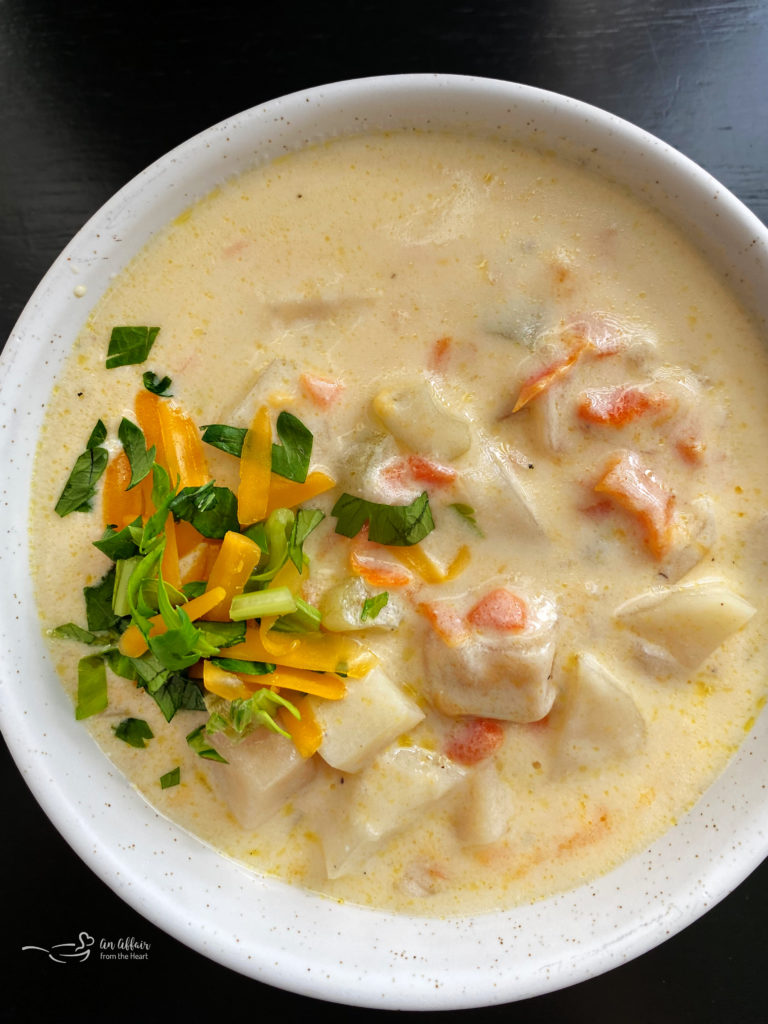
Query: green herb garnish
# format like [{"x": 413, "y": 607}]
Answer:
[
  {"x": 86, "y": 472},
  {"x": 467, "y": 513},
  {"x": 290, "y": 458},
  {"x": 395, "y": 525},
  {"x": 171, "y": 778},
  {"x": 211, "y": 510},
  {"x": 307, "y": 519},
  {"x": 197, "y": 741},
  {"x": 129, "y": 345},
  {"x": 91, "y": 686},
  {"x": 71, "y": 631},
  {"x": 141, "y": 458},
  {"x": 238, "y": 717},
  {"x": 99, "y": 613},
  {"x": 306, "y": 619},
  {"x": 157, "y": 385},
  {"x": 226, "y": 439},
  {"x": 250, "y": 668},
  {"x": 117, "y": 544},
  {"x": 134, "y": 731},
  {"x": 373, "y": 605}
]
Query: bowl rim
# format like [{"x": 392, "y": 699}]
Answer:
[{"x": 281, "y": 935}]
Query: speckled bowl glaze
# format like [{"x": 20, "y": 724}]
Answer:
[{"x": 255, "y": 925}]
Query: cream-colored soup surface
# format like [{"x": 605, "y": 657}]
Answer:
[{"x": 573, "y": 653}]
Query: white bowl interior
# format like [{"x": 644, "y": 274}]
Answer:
[{"x": 263, "y": 928}]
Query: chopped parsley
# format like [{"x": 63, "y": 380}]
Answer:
[
  {"x": 373, "y": 605},
  {"x": 141, "y": 458},
  {"x": 467, "y": 513},
  {"x": 129, "y": 345},
  {"x": 81, "y": 484},
  {"x": 395, "y": 525},
  {"x": 91, "y": 686},
  {"x": 134, "y": 731},
  {"x": 157, "y": 385},
  {"x": 226, "y": 439},
  {"x": 290, "y": 458},
  {"x": 197, "y": 741}
]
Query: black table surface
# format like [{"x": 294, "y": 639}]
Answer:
[{"x": 90, "y": 93}]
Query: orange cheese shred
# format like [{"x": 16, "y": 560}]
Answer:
[
  {"x": 255, "y": 470},
  {"x": 236, "y": 560}
]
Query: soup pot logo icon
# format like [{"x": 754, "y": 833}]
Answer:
[{"x": 66, "y": 952}]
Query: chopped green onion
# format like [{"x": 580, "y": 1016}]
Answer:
[
  {"x": 196, "y": 740},
  {"x": 306, "y": 619},
  {"x": 171, "y": 778},
  {"x": 261, "y": 603},
  {"x": 91, "y": 686}
]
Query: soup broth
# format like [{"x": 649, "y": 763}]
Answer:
[{"x": 524, "y": 358}]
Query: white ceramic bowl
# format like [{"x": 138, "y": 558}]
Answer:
[{"x": 263, "y": 928}]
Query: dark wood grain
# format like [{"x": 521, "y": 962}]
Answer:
[{"x": 90, "y": 93}]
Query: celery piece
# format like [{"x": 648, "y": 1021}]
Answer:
[
  {"x": 260, "y": 603},
  {"x": 123, "y": 569}
]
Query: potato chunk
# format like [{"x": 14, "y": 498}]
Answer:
[
  {"x": 690, "y": 621},
  {"x": 416, "y": 417},
  {"x": 595, "y": 718},
  {"x": 486, "y": 809},
  {"x": 492, "y": 673},
  {"x": 373, "y": 713},
  {"x": 383, "y": 800},
  {"x": 342, "y": 605},
  {"x": 264, "y": 770}
]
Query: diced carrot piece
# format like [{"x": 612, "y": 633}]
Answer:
[
  {"x": 171, "y": 572},
  {"x": 500, "y": 610},
  {"x": 132, "y": 642},
  {"x": 599, "y": 509},
  {"x": 376, "y": 571},
  {"x": 430, "y": 472},
  {"x": 416, "y": 469},
  {"x": 320, "y": 390},
  {"x": 543, "y": 379},
  {"x": 615, "y": 407},
  {"x": 635, "y": 488},
  {"x": 236, "y": 560},
  {"x": 690, "y": 450},
  {"x": 119, "y": 505},
  {"x": 475, "y": 740},
  {"x": 287, "y": 493},
  {"x": 439, "y": 355},
  {"x": 445, "y": 621},
  {"x": 255, "y": 470},
  {"x": 184, "y": 452},
  {"x": 304, "y": 731}
]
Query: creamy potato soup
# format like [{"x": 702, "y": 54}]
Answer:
[{"x": 427, "y": 475}]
